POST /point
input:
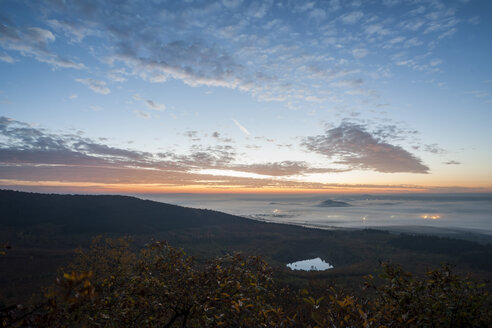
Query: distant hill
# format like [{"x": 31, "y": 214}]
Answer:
[
  {"x": 333, "y": 203},
  {"x": 104, "y": 214}
]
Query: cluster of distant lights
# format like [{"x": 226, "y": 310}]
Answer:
[
  {"x": 430, "y": 216},
  {"x": 423, "y": 216}
]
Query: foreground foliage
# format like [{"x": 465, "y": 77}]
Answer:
[{"x": 160, "y": 286}]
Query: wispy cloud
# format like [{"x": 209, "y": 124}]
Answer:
[
  {"x": 95, "y": 85},
  {"x": 150, "y": 103},
  {"x": 6, "y": 58},
  {"x": 155, "y": 106},
  {"x": 33, "y": 42},
  {"x": 479, "y": 93},
  {"x": 360, "y": 53},
  {"x": 118, "y": 75},
  {"x": 142, "y": 114},
  {"x": 76, "y": 32},
  {"x": 352, "y": 17},
  {"x": 96, "y": 108}
]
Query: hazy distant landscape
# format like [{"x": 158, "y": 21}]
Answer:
[{"x": 434, "y": 213}]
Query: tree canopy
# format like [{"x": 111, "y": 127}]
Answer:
[{"x": 114, "y": 285}]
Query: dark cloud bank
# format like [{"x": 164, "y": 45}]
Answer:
[{"x": 350, "y": 144}]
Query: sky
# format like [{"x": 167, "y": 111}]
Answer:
[{"x": 238, "y": 96}]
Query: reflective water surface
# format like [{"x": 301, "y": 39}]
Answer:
[{"x": 316, "y": 264}]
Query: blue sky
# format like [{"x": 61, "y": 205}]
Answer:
[{"x": 222, "y": 96}]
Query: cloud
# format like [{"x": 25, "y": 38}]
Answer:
[
  {"x": 479, "y": 93},
  {"x": 475, "y": 20},
  {"x": 95, "y": 85},
  {"x": 142, "y": 114},
  {"x": 193, "y": 62},
  {"x": 155, "y": 106},
  {"x": 434, "y": 149},
  {"x": 452, "y": 162},
  {"x": 396, "y": 40},
  {"x": 242, "y": 128},
  {"x": 391, "y": 3},
  {"x": 436, "y": 62},
  {"x": 303, "y": 6},
  {"x": 76, "y": 32},
  {"x": 216, "y": 135},
  {"x": 231, "y": 4},
  {"x": 360, "y": 53},
  {"x": 285, "y": 168},
  {"x": 192, "y": 135},
  {"x": 377, "y": 29},
  {"x": 118, "y": 75},
  {"x": 22, "y": 143},
  {"x": 6, "y": 58},
  {"x": 149, "y": 103},
  {"x": 352, "y": 145},
  {"x": 317, "y": 14},
  {"x": 39, "y": 35},
  {"x": 96, "y": 108},
  {"x": 258, "y": 9},
  {"x": 355, "y": 83},
  {"x": 362, "y": 92},
  {"x": 352, "y": 17},
  {"x": 334, "y": 5},
  {"x": 34, "y": 42}
]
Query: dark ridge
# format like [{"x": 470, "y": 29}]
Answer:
[{"x": 104, "y": 213}]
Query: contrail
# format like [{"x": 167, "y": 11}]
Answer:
[{"x": 242, "y": 128}]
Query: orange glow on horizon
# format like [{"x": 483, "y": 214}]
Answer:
[{"x": 89, "y": 187}]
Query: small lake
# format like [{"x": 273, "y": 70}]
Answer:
[{"x": 316, "y": 264}]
